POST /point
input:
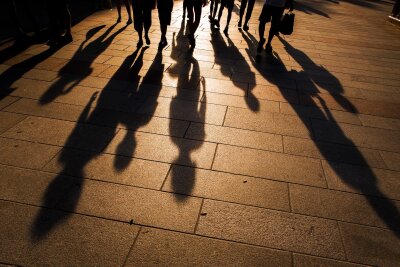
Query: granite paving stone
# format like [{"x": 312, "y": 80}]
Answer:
[
  {"x": 362, "y": 179},
  {"x": 333, "y": 152},
  {"x": 369, "y": 245},
  {"x": 131, "y": 204},
  {"x": 227, "y": 187},
  {"x": 89, "y": 239},
  {"x": 310, "y": 261},
  {"x": 337, "y": 205},
  {"x": 115, "y": 169},
  {"x": 160, "y": 247},
  {"x": 61, "y": 133},
  {"x": 355, "y": 135},
  {"x": 8, "y": 120},
  {"x": 237, "y": 137},
  {"x": 269, "y": 122},
  {"x": 25, "y": 154},
  {"x": 162, "y": 148},
  {"x": 270, "y": 165},
  {"x": 392, "y": 160},
  {"x": 29, "y": 186},
  {"x": 272, "y": 229}
]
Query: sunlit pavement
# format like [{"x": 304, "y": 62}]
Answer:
[{"x": 112, "y": 155}]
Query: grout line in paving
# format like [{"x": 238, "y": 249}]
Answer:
[{"x": 133, "y": 244}]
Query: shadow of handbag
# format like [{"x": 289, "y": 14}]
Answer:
[{"x": 287, "y": 24}]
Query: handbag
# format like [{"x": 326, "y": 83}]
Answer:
[{"x": 287, "y": 24}]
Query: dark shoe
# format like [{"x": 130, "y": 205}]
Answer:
[
  {"x": 260, "y": 45},
  {"x": 66, "y": 39},
  {"x": 210, "y": 18},
  {"x": 140, "y": 43},
  {"x": 147, "y": 39},
  {"x": 118, "y": 19},
  {"x": 163, "y": 43},
  {"x": 129, "y": 21},
  {"x": 216, "y": 23},
  {"x": 192, "y": 40},
  {"x": 240, "y": 24},
  {"x": 246, "y": 27},
  {"x": 268, "y": 49},
  {"x": 226, "y": 30}
]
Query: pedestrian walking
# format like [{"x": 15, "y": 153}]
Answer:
[
  {"x": 164, "y": 15},
  {"x": 213, "y": 9},
  {"x": 128, "y": 9},
  {"x": 194, "y": 8},
  {"x": 142, "y": 18},
  {"x": 272, "y": 12},
  {"x": 60, "y": 22},
  {"x": 229, "y": 5},
  {"x": 250, "y": 5},
  {"x": 185, "y": 5}
]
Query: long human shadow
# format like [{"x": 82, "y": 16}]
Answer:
[
  {"x": 80, "y": 63},
  {"x": 368, "y": 186},
  {"x": 16, "y": 71},
  {"x": 229, "y": 50},
  {"x": 187, "y": 72},
  {"x": 106, "y": 113}
]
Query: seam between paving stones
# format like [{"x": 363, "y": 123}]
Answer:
[
  {"x": 197, "y": 197},
  {"x": 183, "y": 99},
  {"x": 342, "y": 240},
  {"x": 187, "y": 233},
  {"x": 133, "y": 244},
  {"x": 255, "y": 177},
  {"x": 198, "y": 217},
  {"x": 15, "y": 100},
  {"x": 213, "y": 142},
  {"x": 165, "y": 178}
]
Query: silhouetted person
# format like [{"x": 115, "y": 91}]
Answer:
[
  {"x": 229, "y": 5},
  {"x": 213, "y": 9},
  {"x": 60, "y": 22},
  {"x": 142, "y": 18},
  {"x": 243, "y": 5},
  {"x": 128, "y": 9},
  {"x": 185, "y": 6},
  {"x": 194, "y": 13},
  {"x": 164, "y": 14},
  {"x": 272, "y": 11}
]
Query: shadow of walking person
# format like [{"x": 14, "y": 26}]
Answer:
[
  {"x": 246, "y": 79},
  {"x": 17, "y": 71},
  {"x": 359, "y": 175},
  {"x": 107, "y": 113},
  {"x": 80, "y": 63},
  {"x": 187, "y": 72}
]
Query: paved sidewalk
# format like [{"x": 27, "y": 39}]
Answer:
[{"x": 117, "y": 156}]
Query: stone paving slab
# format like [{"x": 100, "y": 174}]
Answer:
[
  {"x": 264, "y": 164},
  {"x": 104, "y": 167},
  {"x": 125, "y": 203},
  {"x": 158, "y": 247},
  {"x": 271, "y": 228},
  {"x": 89, "y": 239},
  {"x": 25, "y": 154}
]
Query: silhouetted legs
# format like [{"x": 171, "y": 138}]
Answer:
[
  {"x": 194, "y": 15},
  {"x": 142, "y": 20},
  {"x": 273, "y": 14},
  {"x": 60, "y": 21},
  {"x": 248, "y": 13},
  {"x": 185, "y": 7},
  {"x": 128, "y": 9},
  {"x": 229, "y": 5},
  {"x": 164, "y": 14},
  {"x": 213, "y": 9}
]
